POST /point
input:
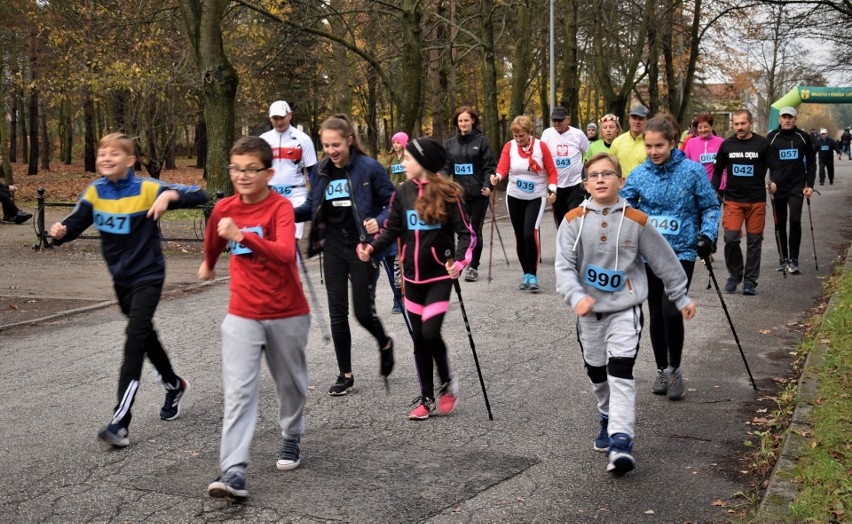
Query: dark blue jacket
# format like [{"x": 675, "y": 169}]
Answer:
[{"x": 371, "y": 190}]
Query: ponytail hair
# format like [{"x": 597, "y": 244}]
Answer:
[
  {"x": 666, "y": 125},
  {"x": 432, "y": 205},
  {"x": 340, "y": 123}
]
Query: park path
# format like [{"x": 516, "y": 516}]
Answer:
[{"x": 363, "y": 461}]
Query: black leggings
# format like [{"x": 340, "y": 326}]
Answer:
[
  {"x": 666, "y": 321},
  {"x": 341, "y": 265},
  {"x": 475, "y": 209},
  {"x": 139, "y": 303},
  {"x": 567, "y": 198},
  {"x": 426, "y": 305},
  {"x": 794, "y": 199},
  {"x": 526, "y": 219}
]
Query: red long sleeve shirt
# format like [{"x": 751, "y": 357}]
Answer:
[{"x": 264, "y": 271}]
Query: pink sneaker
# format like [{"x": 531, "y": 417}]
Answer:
[
  {"x": 448, "y": 396},
  {"x": 425, "y": 406}
]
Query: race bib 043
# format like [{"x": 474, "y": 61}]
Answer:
[
  {"x": 563, "y": 162},
  {"x": 667, "y": 225},
  {"x": 604, "y": 279},
  {"x": 115, "y": 223},
  {"x": 416, "y": 224}
]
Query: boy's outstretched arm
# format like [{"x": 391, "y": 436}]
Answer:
[{"x": 74, "y": 224}]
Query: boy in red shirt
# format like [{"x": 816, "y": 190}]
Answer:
[{"x": 268, "y": 311}]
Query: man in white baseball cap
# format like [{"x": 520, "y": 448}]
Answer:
[
  {"x": 293, "y": 155},
  {"x": 826, "y": 147}
]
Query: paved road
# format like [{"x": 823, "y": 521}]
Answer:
[{"x": 363, "y": 461}]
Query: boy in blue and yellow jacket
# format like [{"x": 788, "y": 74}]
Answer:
[{"x": 125, "y": 210}]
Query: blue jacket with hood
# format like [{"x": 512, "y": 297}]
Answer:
[{"x": 678, "y": 199}]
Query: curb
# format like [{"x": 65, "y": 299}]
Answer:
[
  {"x": 782, "y": 490},
  {"x": 108, "y": 303}
]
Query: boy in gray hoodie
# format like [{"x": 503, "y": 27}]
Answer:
[{"x": 600, "y": 273}]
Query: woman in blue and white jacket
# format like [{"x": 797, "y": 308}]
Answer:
[{"x": 680, "y": 202}]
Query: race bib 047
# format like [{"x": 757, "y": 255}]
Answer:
[{"x": 115, "y": 223}]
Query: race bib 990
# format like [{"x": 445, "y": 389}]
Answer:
[
  {"x": 742, "y": 170},
  {"x": 667, "y": 225},
  {"x": 115, "y": 223},
  {"x": 463, "y": 169},
  {"x": 604, "y": 279},
  {"x": 525, "y": 185},
  {"x": 415, "y": 223},
  {"x": 239, "y": 249}
]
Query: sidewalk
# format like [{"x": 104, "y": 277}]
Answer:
[{"x": 363, "y": 461}]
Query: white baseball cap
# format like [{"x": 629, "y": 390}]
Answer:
[
  {"x": 279, "y": 108},
  {"x": 823, "y": 131},
  {"x": 789, "y": 111}
]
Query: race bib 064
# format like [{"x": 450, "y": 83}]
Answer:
[{"x": 707, "y": 158}]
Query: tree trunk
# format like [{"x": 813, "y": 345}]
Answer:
[
  {"x": 490, "y": 117},
  {"x": 203, "y": 21},
  {"x": 570, "y": 65},
  {"x": 44, "y": 157},
  {"x": 410, "y": 97},
  {"x": 200, "y": 143},
  {"x": 520, "y": 58},
  {"x": 16, "y": 102},
  {"x": 89, "y": 135},
  {"x": 5, "y": 163},
  {"x": 437, "y": 84},
  {"x": 653, "y": 68},
  {"x": 67, "y": 137},
  {"x": 694, "y": 50}
]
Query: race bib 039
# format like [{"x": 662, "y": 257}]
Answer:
[
  {"x": 667, "y": 225},
  {"x": 115, "y": 223},
  {"x": 415, "y": 223},
  {"x": 239, "y": 249},
  {"x": 604, "y": 279},
  {"x": 525, "y": 185}
]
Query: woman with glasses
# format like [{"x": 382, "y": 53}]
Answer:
[
  {"x": 348, "y": 202},
  {"x": 471, "y": 163},
  {"x": 703, "y": 147},
  {"x": 532, "y": 182},
  {"x": 680, "y": 202},
  {"x": 610, "y": 129}
]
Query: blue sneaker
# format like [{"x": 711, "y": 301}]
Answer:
[
  {"x": 620, "y": 454},
  {"x": 525, "y": 285},
  {"x": 532, "y": 285},
  {"x": 290, "y": 451},
  {"x": 231, "y": 484},
  {"x": 115, "y": 434},
  {"x": 174, "y": 398},
  {"x": 602, "y": 441}
]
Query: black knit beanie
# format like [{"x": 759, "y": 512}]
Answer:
[{"x": 428, "y": 152}]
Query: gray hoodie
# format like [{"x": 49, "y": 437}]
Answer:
[{"x": 589, "y": 264}]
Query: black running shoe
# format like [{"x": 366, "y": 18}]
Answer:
[
  {"x": 174, "y": 398},
  {"x": 386, "y": 360},
  {"x": 291, "y": 449},
  {"x": 231, "y": 484},
  {"x": 342, "y": 386},
  {"x": 794, "y": 266},
  {"x": 115, "y": 434}
]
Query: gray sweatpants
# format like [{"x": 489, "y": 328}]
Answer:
[
  {"x": 243, "y": 341},
  {"x": 609, "y": 342}
]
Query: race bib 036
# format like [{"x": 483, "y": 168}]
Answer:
[{"x": 282, "y": 190}]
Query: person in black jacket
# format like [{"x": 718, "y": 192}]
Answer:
[
  {"x": 845, "y": 140},
  {"x": 825, "y": 148},
  {"x": 471, "y": 162},
  {"x": 792, "y": 171}
]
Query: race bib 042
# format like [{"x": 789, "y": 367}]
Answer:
[{"x": 742, "y": 170}]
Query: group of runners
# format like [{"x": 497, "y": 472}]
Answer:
[{"x": 633, "y": 213}]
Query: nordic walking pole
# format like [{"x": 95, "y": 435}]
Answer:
[
  {"x": 472, "y": 347},
  {"x": 320, "y": 318},
  {"x": 491, "y": 242},
  {"x": 777, "y": 235},
  {"x": 397, "y": 298},
  {"x": 709, "y": 267},
  {"x": 495, "y": 226},
  {"x": 813, "y": 240}
]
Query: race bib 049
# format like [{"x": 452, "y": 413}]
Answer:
[
  {"x": 667, "y": 225},
  {"x": 415, "y": 223},
  {"x": 604, "y": 279},
  {"x": 115, "y": 223},
  {"x": 239, "y": 249}
]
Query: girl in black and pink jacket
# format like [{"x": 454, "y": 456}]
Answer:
[{"x": 425, "y": 213}]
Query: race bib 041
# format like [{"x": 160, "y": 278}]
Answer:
[
  {"x": 463, "y": 169},
  {"x": 667, "y": 225},
  {"x": 604, "y": 279}
]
